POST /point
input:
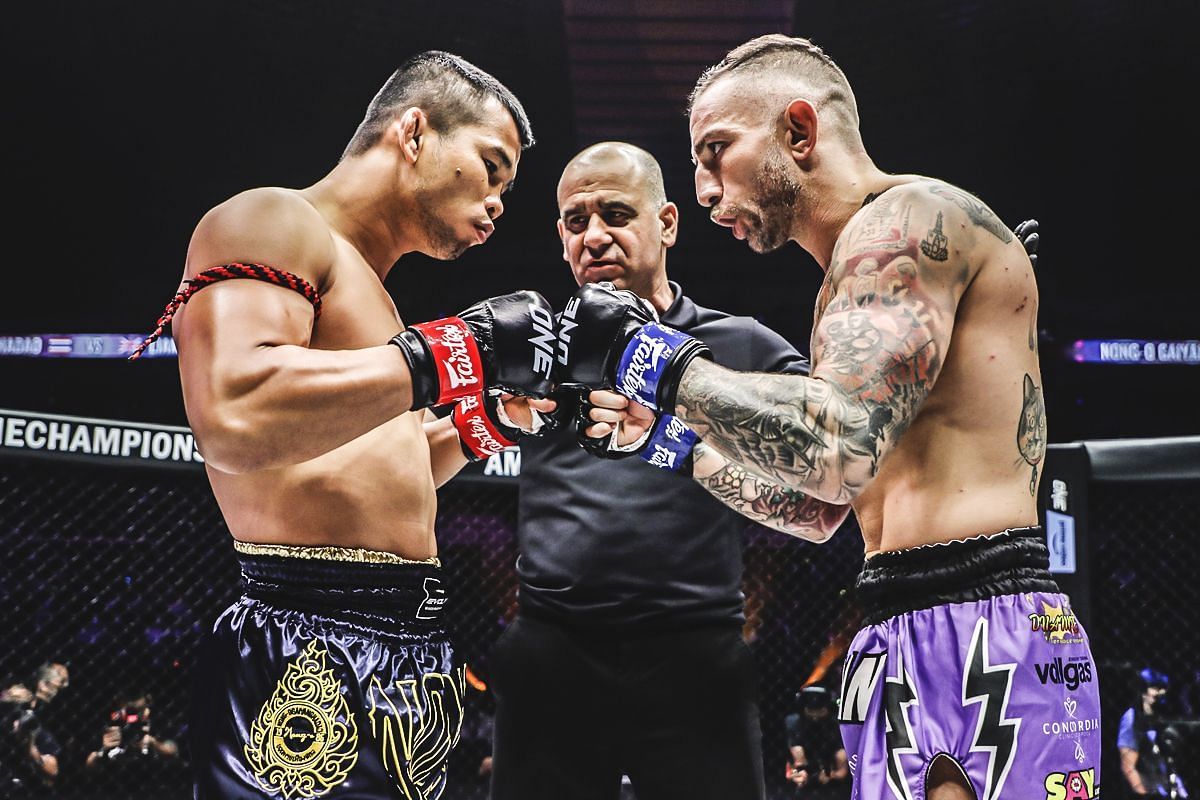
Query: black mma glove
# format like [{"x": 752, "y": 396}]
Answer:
[
  {"x": 667, "y": 445},
  {"x": 610, "y": 338},
  {"x": 504, "y": 342},
  {"x": 1027, "y": 232},
  {"x": 484, "y": 427}
]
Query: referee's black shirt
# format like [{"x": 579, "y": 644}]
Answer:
[{"x": 621, "y": 543}]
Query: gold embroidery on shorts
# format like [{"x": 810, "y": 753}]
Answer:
[
  {"x": 416, "y": 740},
  {"x": 358, "y": 555},
  {"x": 298, "y": 747}
]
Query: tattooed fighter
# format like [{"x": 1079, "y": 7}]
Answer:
[{"x": 923, "y": 413}]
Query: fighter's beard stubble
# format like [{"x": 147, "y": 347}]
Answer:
[{"x": 777, "y": 194}]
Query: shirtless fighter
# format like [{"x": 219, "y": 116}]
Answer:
[
  {"x": 331, "y": 676},
  {"x": 923, "y": 413}
]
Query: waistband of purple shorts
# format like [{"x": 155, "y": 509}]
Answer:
[{"x": 1012, "y": 561}]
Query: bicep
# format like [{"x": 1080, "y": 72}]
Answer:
[
  {"x": 229, "y": 321},
  {"x": 226, "y": 325}
]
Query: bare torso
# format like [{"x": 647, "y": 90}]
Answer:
[
  {"x": 970, "y": 461},
  {"x": 375, "y": 491}
]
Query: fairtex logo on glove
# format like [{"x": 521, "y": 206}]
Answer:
[
  {"x": 476, "y": 430},
  {"x": 643, "y": 361},
  {"x": 662, "y": 458},
  {"x": 461, "y": 369},
  {"x": 648, "y": 354},
  {"x": 676, "y": 429},
  {"x": 477, "y": 427},
  {"x": 543, "y": 340},
  {"x": 670, "y": 443}
]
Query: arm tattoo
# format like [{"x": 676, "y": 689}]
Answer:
[
  {"x": 980, "y": 214},
  {"x": 1031, "y": 429},
  {"x": 772, "y": 505},
  {"x": 882, "y": 329}
]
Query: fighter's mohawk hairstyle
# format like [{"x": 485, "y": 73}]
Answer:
[{"x": 769, "y": 51}]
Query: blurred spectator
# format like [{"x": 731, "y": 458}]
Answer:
[
  {"x": 132, "y": 755},
  {"x": 1145, "y": 754},
  {"x": 29, "y": 752},
  {"x": 817, "y": 765},
  {"x": 471, "y": 759},
  {"x": 1189, "y": 696}
]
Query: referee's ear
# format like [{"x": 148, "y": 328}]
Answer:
[{"x": 668, "y": 215}]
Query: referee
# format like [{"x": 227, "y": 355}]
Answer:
[{"x": 626, "y": 656}]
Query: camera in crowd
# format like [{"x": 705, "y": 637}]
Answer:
[
  {"x": 21, "y": 720},
  {"x": 132, "y": 720}
]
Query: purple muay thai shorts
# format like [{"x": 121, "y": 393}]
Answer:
[{"x": 970, "y": 650}]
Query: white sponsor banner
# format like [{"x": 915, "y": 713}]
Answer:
[
  {"x": 118, "y": 441},
  {"x": 505, "y": 464},
  {"x": 28, "y": 432}
]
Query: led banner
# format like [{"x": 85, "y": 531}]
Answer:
[
  {"x": 83, "y": 345},
  {"x": 28, "y": 433},
  {"x": 97, "y": 440},
  {"x": 1136, "y": 351}
]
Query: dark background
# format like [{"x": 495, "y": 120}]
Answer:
[{"x": 127, "y": 120}]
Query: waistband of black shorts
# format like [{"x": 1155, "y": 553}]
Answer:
[
  {"x": 370, "y": 587},
  {"x": 1012, "y": 561}
]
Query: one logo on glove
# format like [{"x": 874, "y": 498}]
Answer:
[
  {"x": 543, "y": 341},
  {"x": 458, "y": 362},
  {"x": 566, "y": 324},
  {"x": 648, "y": 352}
]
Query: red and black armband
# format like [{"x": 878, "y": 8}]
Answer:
[
  {"x": 258, "y": 272},
  {"x": 480, "y": 431},
  {"x": 443, "y": 360}
]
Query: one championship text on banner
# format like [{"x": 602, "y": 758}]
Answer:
[
  {"x": 109, "y": 441},
  {"x": 106, "y": 441}
]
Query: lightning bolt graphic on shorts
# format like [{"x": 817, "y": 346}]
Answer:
[
  {"x": 898, "y": 694},
  {"x": 989, "y": 687}
]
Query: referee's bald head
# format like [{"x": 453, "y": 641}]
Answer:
[{"x": 646, "y": 171}]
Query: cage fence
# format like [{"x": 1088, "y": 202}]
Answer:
[{"x": 118, "y": 571}]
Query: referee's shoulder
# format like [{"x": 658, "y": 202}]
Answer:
[
  {"x": 766, "y": 348},
  {"x": 743, "y": 325}
]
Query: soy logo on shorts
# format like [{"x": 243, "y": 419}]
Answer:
[{"x": 1075, "y": 785}]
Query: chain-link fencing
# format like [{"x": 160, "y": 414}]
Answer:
[
  {"x": 118, "y": 571},
  {"x": 1146, "y": 603}
]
